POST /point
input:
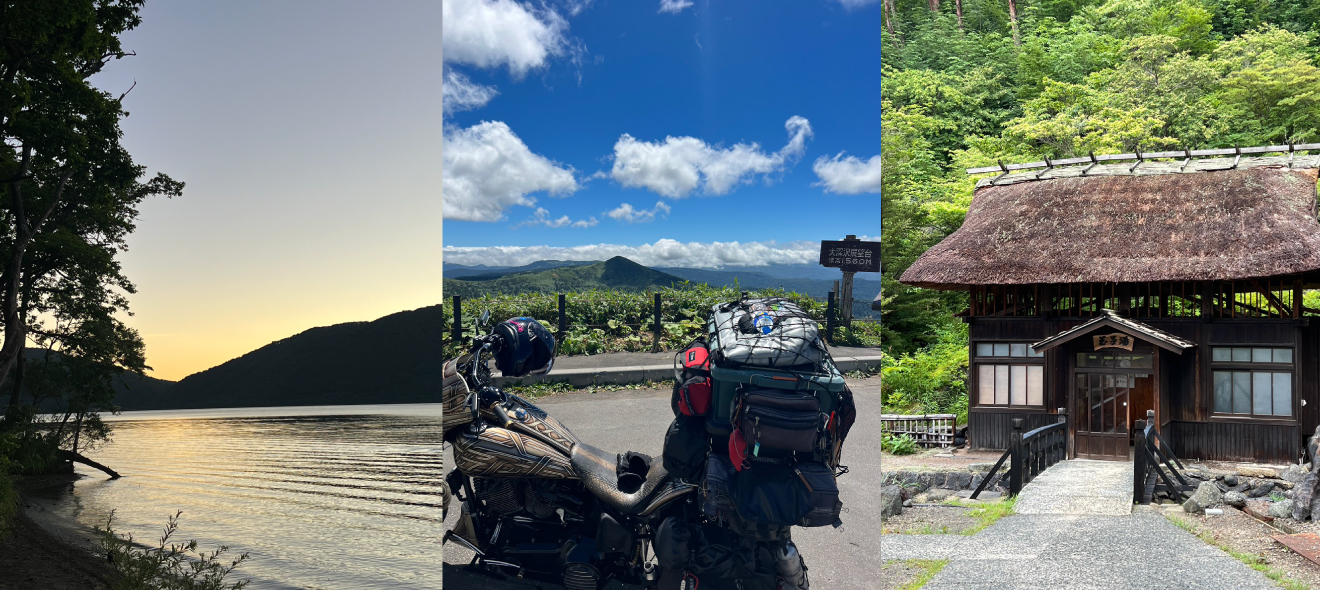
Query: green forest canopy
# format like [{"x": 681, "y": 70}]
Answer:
[{"x": 971, "y": 82}]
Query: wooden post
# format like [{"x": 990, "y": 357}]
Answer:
[
  {"x": 457, "y": 328},
  {"x": 829, "y": 318},
  {"x": 845, "y": 296},
  {"x": 1150, "y": 421},
  {"x": 563, "y": 316},
  {"x": 658, "y": 326},
  {"x": 1207, "y": 293},
  {"x": 1139, "y": 463},
  {"x": 1017, "y": 463},
  {"x": 1061, "y": 453},
  {"x": 1297, "y": 299}
]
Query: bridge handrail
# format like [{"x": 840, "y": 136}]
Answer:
[{"x": 1030, "y": 454}]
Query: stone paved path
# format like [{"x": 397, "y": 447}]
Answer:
[
  {"x": 1142, "y": 550},
  {"x": 1079, "y": 486}
]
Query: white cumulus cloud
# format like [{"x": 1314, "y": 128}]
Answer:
[
  {"x": 678, "y": 165},
  {"x": 461, "y": 94},
  {"x": 542, "y": 217},
  {"x": 848, "y": 175},
  {"x": 664, "y": 252},
  {"x": 488, "y": 169},
  {"x": 674, "y": 6},
  {"x": 625, "y": 212},
  {"x": 495, "y": 33}
]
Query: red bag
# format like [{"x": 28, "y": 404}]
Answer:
[
  {"x": 737, "y": 450},
  {"x": 694, "y": 397}
]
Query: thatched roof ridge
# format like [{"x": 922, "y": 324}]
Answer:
[{"x": 1247, "y": 222}]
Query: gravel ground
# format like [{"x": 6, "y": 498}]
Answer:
[
  {"x": 930, "y": 520},
  {"x": 927, "y": 459},
  {"x": 1245, "y": 534}
]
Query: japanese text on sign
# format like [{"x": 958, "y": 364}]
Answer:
[
  {"x": 851, "y": 256},
  {"x": 1116, "y": 340}
]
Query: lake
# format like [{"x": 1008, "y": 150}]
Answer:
[{"x": 320, "y": 497}]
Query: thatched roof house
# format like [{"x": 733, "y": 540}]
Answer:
[
  {"x": 1227, "y": 224},
  {"x": 1107, "y": 291}
]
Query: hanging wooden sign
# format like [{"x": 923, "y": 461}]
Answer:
[{"x": 1115, "y": 340}]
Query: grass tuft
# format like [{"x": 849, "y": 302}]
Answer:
[
  {"x": 929, "y": 567},
  {"x": 987, "y": 513}
]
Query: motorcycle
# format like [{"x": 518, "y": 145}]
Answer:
[{"x": 536, "y": 501}]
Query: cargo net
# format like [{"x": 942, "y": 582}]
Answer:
[{"x": 769, "y": 332}]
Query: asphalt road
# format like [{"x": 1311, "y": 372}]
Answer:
[{"x": 846, "y": 558}]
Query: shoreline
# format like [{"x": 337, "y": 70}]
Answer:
[{"x": 46, "y": 550}]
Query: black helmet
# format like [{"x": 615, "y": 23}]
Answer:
[{"x": 529, "y": 348}]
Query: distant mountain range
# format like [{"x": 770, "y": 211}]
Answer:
[
  {"x": 617, "y": 273},
  {"x": 551, "y": 276}
]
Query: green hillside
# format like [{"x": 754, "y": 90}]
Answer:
[
  {"x": 395, "y": 359},
  {"x": 618, "y": 274}
]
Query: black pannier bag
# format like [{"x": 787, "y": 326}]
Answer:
[
  {"x": 780, "y": 419},
  {"x": 780, "y": 495},
  {"x": 686, "y": 445},
  {"x": 823, "y": 504}
]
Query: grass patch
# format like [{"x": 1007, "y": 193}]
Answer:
[
  {"x": 1256, "y": 562},
  {"x": 928, "y": 567},
  {"x": 986, "y": 513},
  {"x": 539, "y": 390}
]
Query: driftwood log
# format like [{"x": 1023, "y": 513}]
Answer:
[{"x": 76, "y": 458}]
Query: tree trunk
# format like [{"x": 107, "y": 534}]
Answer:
[
  {"x": 77, "y": 458},
  {"x": 957, "y": 7},
  {"x": 1012, "y": 18},
  {"x": 934, "y": 5},
  {"x": 890, "y": 14}
]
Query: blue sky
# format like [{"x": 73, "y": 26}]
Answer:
[{"x": 734, "y": 132}]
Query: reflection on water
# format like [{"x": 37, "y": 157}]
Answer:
[{"x": 319, "y": 500}]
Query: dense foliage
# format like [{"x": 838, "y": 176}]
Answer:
[
  {"x": 971, "y": 82},
  {"x": 69, "y": 193},
  {"x": 619, "y": 321}
]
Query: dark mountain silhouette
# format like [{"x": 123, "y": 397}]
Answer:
[{"x": 395, "y": 359}]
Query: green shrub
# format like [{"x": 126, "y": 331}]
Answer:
[
  {"x": 932, "y": 380},
  {"x": 901, "y": 444},
  {"x": 167, "y": 566},
  {"x": 621, "y": 321}
]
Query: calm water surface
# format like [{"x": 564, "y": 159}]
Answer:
[{"x": 320, "y": 497}]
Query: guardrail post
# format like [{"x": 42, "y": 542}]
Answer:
[
  {"x": 1139, "y": 462},
  {"x": 563, "y": 316},
  {"x": 658, "y": 326},
  {"x": 1017, "y": 464},
  {"x": 457, "y": 328},
  {"x": 829, "y": 318}
]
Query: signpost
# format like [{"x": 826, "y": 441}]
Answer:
[{"x": 852, "y": 256}]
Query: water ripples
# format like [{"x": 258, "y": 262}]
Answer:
[{"x": 317, "y": 500}]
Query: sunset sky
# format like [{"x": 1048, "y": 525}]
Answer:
[{"x": 308, "y": 133}]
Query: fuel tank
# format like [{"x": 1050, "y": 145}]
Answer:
[
  {"x": 501, "y": 452},
  {"x": 453, "y": 397}
]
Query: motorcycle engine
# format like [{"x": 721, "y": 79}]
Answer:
[
  {"x": 507, "y": 495},
  {"x": 501, "y": 495}
]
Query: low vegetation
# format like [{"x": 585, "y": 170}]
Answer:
[
  {"x": 987, "y": 513},
  {"x": 927, "y": 568},
  {"x": 600, "y": 321},
  {"x": 897, "y": 444},
  {"x": 167, "y": 566}
]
